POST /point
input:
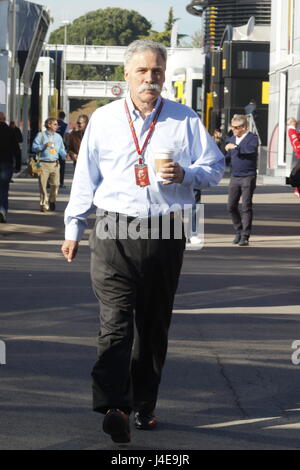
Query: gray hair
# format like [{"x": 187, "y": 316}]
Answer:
[
  {"x": 48, "y": 121},
  {"x": 290, "y": 120},
  {"x": 240, "y": 120},
  {"x": 144, "y": 45}
]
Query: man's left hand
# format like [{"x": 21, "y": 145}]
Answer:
[
  {"x": 230, "y": 146},
  {"x": 172, "y": 172}
]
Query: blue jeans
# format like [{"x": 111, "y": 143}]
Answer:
[{"x": 6, "y": 172}]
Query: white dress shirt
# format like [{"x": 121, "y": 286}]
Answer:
[
  {"x": 105, "y": 178},
  {"x": 238, "y": 140}
]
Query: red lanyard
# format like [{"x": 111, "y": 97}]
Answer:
[{"x": 151, "y": 129}]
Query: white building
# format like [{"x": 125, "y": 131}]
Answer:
[{"x": 284, "y": 97}]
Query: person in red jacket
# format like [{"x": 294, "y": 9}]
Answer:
[{"x": 294, "y": 136}]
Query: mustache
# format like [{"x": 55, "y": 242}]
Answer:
[{"x": 149, "y": 86}]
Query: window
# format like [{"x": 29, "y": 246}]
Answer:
[{"x": 253, "y": 60}]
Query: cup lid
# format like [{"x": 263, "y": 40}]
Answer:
[{"x": 164, "y": 151}]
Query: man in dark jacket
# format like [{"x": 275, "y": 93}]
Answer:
[
  {"x": 75, "y": 138},
  {"x": 242, "y": 152},
  {"x": 61, "y": 130},
  {"x": 10, "y": 160}
]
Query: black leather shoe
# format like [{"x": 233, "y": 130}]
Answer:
[
  {"x": 244, "y": 242},
  {"x": 2, "y": 218},
  {"x": 236, "y": 239},
  {"x": 145, "y": 421},
  {"x": 52, "y": 206},
  {"x": 116, "y": 423}
]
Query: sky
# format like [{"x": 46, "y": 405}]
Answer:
[{"x": 155, "y": 11}]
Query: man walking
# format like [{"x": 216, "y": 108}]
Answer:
[
  {"x": 10, "y": 159},
  {"x": 135, "y": 277},
  {"x": 242, "y": 152},
  {"x": 75, "y": 138},
  {"x": 50, "y": 146},
  {"x": 61, "y": 130}
]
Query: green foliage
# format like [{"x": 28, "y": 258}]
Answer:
[
  {"x": 118, "y": 74},
  {"x": 92, "y": 72},
  {"x": 164, "y": 37},
  {"x": 95, "y": 72},
  {"x": 171, "y": 20},
  {"x": 111, "y": 27}
]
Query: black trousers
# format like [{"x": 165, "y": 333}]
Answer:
[
  {"x": 241, "y": 186},
  {"x": 62, "y": 171},
  {"x": 135, "y": 281}
]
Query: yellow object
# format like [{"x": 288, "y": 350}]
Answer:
[
  {"x": 54, "y": 104},
  {"x": 209, "y": 106},
  {"x": 265, "y": 92},
  {"x": 179, "y": 85}
]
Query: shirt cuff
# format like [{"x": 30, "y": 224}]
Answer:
[
  {"x": 74, "y": 230},
  {"x": 188, "y": 179}
]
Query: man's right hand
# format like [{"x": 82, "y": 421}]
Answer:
[{"x": 69, "y": 249}]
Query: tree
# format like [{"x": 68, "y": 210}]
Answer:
[
  {"x": 164, "y": 37},
  {"x": 197, "y": 40},
  {"x": 111, "y": 27},
  {"x": 171, "y": 20}
]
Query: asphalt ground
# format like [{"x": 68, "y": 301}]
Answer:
[{"x": 229, "y": 382}]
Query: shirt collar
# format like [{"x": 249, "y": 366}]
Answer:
[
  {"x": 239, "y": 139},
  {"x": 134, "y": 112}
]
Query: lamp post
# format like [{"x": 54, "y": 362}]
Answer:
[
  {"x": 12, "y": 109},
  {"x": 65, "y": 104}
]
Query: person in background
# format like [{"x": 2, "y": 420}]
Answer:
[
  {"x": 18, "y": 134},
  {"x": 242, "y": 152},
  {"x": 62, "y": 125},
  {"x": 135, "y": 278},
  {"x": 217, "y": 136},
  {"x": 61, "y": 130},
  {"x": 75, "y": 138},
  {"x": 10, "y": 160},
  {"x": 50, "y": 146},
  {"x": 17, "y": 131},
  {"x": 294, "y": 137}
]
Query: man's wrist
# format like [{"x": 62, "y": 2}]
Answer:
[{"x": 183, "y": 175}]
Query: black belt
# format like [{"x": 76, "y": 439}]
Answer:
[{"x": 130, "y": 218}]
